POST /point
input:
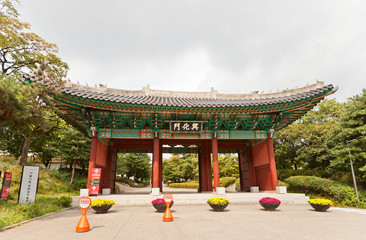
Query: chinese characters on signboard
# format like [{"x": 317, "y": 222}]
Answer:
[
  {"x": 94, "y": 181},
  {"x": 6, "y": 185},
  {"x": 185, "y": 126},
  {"x": 28, "y": 184}
]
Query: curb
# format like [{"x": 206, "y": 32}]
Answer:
[{"x": 32, "y": 219}]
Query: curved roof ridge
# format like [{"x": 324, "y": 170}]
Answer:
[{"x": 146, "y": 91}]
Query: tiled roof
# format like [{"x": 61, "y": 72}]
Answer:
[{"x": 188, "y": 99}]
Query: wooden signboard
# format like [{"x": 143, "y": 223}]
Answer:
[{"x": 186, "y": 126}]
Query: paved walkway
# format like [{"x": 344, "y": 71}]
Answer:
[{"x": 245, "y": 221}]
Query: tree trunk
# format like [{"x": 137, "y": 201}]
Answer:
[
  {"x": 23, "y": 159},
  {"x": 82, "y": 168},
  {"x": 72, "y": 172}
]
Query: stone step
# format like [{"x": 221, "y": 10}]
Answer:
[{"x": 199, "y": 198}]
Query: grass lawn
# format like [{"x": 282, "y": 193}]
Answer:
[{"x": 53, "y": 194}]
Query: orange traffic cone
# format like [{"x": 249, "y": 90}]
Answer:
[
  {"x": 83, "y": 224},
  {"x": 168, "y": 217}
]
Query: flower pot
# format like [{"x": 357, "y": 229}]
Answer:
[
  {"x": 101, "y": 209},
  {"x": 216, "y": 207},
  {"x": 320, "y": 207},
  {"x": 270, "y": 206},
  {"x": 161, "y": 207}
]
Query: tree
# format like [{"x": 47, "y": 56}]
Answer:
[
  {"x": 74, "y": 147},
  {"x": 306, "y": 142},
  {"x": 26, "y": 107},
  {"x": 11, "y": 142},
  {"x": 46, "y": 147},
  {"x": 24, "y": 51},
  {"x": 135, "y": 165},
  {"x": 179, "y": 167},
  {"x": 31, "y": 112},
  {"x": 228, "y": 165},
  {"x": 352, "y": 126}
]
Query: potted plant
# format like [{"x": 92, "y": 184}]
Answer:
[
  {"x": 102, "y": 205},
  {"x": 269, "y": 203},
  {"x": 218, "y": 204},
  {"x": 320, "y": 204},
  {"x": 160, "y": 205}
]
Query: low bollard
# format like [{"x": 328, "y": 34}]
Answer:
[
  {"x": 83, "y": 224},
  {"x": 168, "y": 217}
]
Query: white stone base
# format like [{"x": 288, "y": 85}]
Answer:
[
  {"x": 155, "y": 191},
  {"x": 281, "y": 189},
  {"x": 84, "y": 192},
  {"x": 106, "y": 191},
  {"x": 254, "y": 189},
  {"x": 220, "y": 190}
]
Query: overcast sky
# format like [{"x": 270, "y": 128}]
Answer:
[{"x": 193, "y": 45}]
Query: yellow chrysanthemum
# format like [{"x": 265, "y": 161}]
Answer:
[
  {"x": 320, "y": 201},
  {"x": 102, "y": 202},
  {"x": 218, "y": 201}
]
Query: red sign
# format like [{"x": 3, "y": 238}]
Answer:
[
  {"x": 168, "y": 197},
  {"x": 6, "y": 185},
  {"x": 84, "y": 203},
  {"x": 94, "y": 181}
]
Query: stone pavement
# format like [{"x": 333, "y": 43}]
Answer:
[
  {"x": 185, "y": 196},
  {"x": 242, "y": 221}
]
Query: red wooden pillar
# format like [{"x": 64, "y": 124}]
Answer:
[
  {"x": 208, "y": 167},
  {"x": 108, "y": 169},
  {"x": 200, "y": 172},
  {"x": 215, "y": 163},
  {"x": 156, "y": 167},
  {"x": 253, "y": 181},
  {"x": 241, "y": 177},
  {"x": 93, "y": 158},
  {"x": 205, "y": 167},
  {"x": 160, "y": 168},
  {"x": 113, "y": 170},
  {"x": 272, "y": 164}
]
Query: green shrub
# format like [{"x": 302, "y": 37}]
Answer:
[
  {"x": 282, "y": 174},
  {"x": 190, "y": 184},
  {"x": 338, "y": 192},
  {"x": 227, "y": 181},
  {"x": 64, "y": 201}
]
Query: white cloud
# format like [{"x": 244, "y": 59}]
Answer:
[{"x": 233, "y": 46}]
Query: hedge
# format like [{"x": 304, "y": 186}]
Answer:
[
  {"x": 227, "y": 181},
  {"x": 190, "y": 184},
  {"x": 338, "y": 192},
  {"x": 224, "y": 182},
  {"x": 282, "y": 174}
]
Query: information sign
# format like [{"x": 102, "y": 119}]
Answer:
[
  {"x": 28, "y": 184},
  {"x": 6, "y": 185},
  {"x": 94, "y": 181}
]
